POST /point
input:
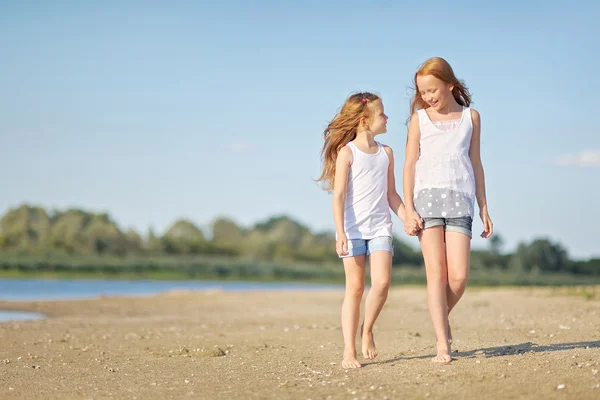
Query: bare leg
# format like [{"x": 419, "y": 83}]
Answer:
[
  {"x": 434, "y": 255},
  {"x": 354, "y": 268},
  {"x": 458, "y": 251},
  {"x": 381, "y": 271}
]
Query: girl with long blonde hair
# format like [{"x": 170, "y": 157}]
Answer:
[{"x": 360, "y": 173}]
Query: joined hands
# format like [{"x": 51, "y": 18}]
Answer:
[{"x": 413, "y": 223}]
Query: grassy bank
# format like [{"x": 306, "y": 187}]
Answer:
[{"x": 221, "y": 268}]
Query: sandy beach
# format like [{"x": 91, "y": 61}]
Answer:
[{"x": 509, "y": 343}]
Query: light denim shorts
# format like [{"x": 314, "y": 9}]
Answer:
[
  {"x": 357, "y": 247},
  {"x": 460, "y": 224}
]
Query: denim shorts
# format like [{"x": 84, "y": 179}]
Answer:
[
  {"x": 460, "y": 224},
  {"x": 357, "y": 247}
]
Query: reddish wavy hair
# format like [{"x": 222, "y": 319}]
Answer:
[{"x": 440, "y": 68}]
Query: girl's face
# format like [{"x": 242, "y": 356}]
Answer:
[
  {"x": 435, "y": 92},
  {"x": 377, "y": 121}
]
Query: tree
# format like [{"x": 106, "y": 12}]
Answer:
[
  {"x": 587, "y": 267},
  {"x": 184, "y": 238},
  {"x": 404, "y": 254},
  {"x": 541, "y": 255},
  {"x": 496, "y": 243},
  {"x": 25, "y": 228},
  {"x": 226, "y": 233},
  {"x": 134, "y": 240}
]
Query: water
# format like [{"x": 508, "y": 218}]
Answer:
[
  {"x": 18, "y": 315},
  {"x": 67, "y": 289}
]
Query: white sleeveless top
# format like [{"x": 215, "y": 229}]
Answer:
[
  {"x": 444, "y": 179},
  {"x": 367, "y": 210}
]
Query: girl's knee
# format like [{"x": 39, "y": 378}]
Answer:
[
  {"x": 459, "y": 279},
  {"x": 380, "y": 285},
  {"x": 355, "y": 290}
]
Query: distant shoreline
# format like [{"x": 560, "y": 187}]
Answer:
[{"x": 400, "y": 277}]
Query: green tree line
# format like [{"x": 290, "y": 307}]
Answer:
[{"x": 28, "y": 230}]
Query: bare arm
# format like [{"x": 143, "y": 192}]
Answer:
[
  {"x": 394, "y": 198},
  {"x": 410, "y": 162},
  {"x": 340, "y": 184},
  {"x": 412, "y": 155},
  {"x": 475, "y": 156}
]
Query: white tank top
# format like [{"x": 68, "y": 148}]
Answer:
[
  {"x": 367, "y": 210},
  {"x": 444, "y": 179}
]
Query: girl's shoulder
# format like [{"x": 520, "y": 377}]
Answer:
[
  {"x": 346, "y": 153},
  {"x": 388, "y": 151},
  {"x": 347, "y": 149},
  {"x": 413, "y": 121},
  {"x": 475, "y": 117}
]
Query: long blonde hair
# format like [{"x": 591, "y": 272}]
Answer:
[
  {"x": 440, "y": 68},
  {"x": 342, "y": 130}
]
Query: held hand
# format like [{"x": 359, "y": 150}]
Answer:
[
  {"x": 341, "y": 245},
  {"x": 488, "y": 226},
  {"x": 413, "y": 224},
  {"x": 415, "y": 231},
  {"x": 411, "y": 228}
]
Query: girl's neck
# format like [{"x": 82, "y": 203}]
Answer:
[
  {"x": 367, "y": 138},
  {"x": 453, "y": 106}
]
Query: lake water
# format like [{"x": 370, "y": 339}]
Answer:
[
  {"x": 18, "y": 315},
  {"x": 66, "y": 289}
]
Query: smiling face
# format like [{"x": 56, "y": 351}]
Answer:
[
  {"x": 435, "y": 92},
  {"x": 377, "y": 120}
]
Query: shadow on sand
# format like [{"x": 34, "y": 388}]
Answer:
[{"x": 508, "y": 350}]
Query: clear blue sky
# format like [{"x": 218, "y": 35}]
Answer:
[{"x": 153, "y": 111}]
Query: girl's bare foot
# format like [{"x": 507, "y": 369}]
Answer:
[
  {"x": 443, "y": 353},
  {"x": 368, "y": 345},
  {"x": 350, "y": 360}
]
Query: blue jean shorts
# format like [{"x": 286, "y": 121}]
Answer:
[
  {"x": 357, "y": 247},
  {"x": 460, "y": 224}
]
